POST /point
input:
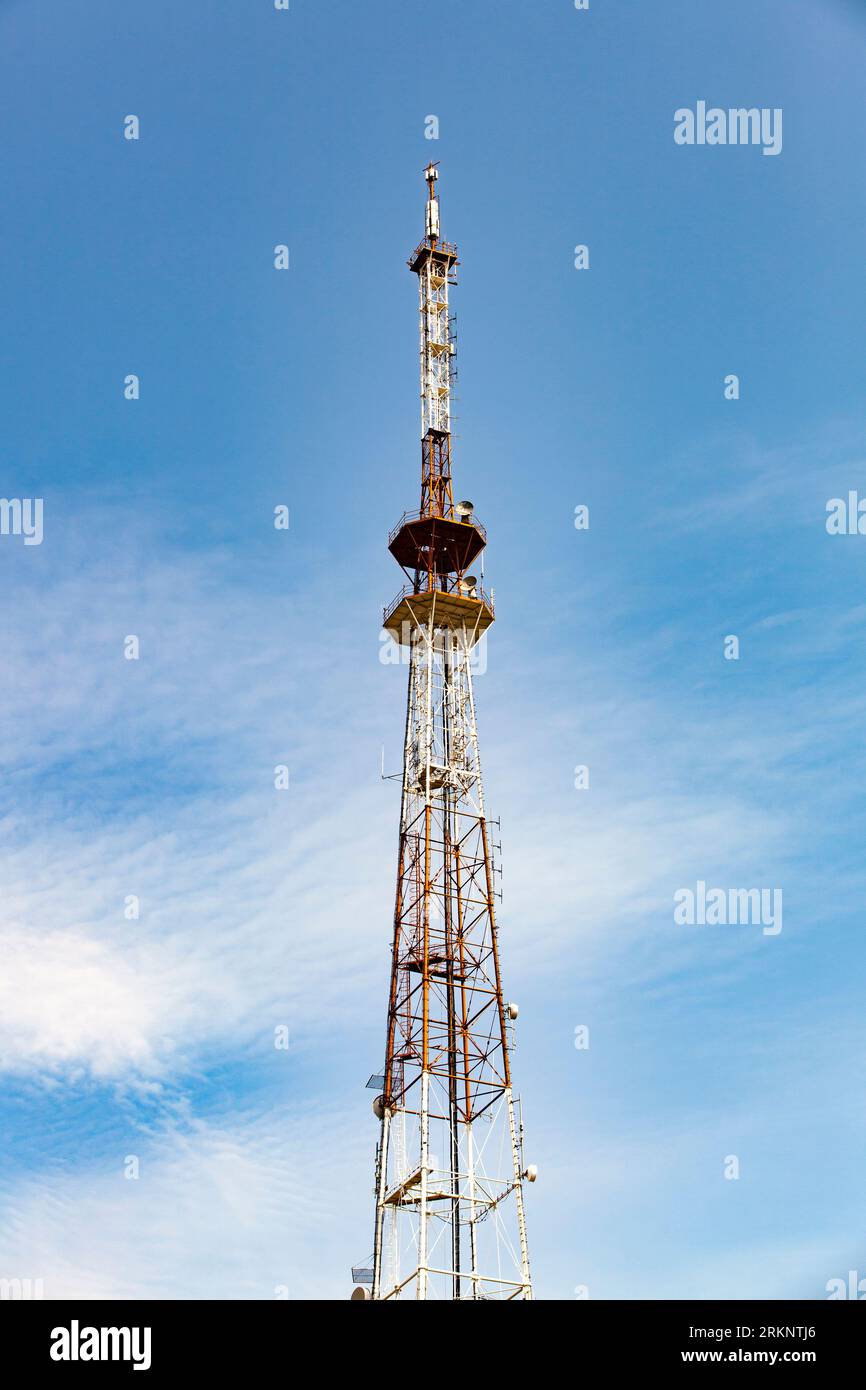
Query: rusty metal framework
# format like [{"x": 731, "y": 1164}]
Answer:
[{"x": 449, "y": 1164}]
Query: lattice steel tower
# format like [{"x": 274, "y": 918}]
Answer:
[{"x": 449, "y": 1165}]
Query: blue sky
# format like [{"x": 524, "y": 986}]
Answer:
[{"x": 603, "y": 387}]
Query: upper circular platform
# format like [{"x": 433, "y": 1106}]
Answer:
[{"x": 438, "y": 543}]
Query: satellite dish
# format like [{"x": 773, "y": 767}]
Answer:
[
  {"x": 464, "y": 509},
  {"x": 380, "y": 1109},
  {"x": 470, "y": 581}
]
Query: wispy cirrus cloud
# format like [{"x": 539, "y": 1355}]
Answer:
[{"x": 239, "y": 1206}]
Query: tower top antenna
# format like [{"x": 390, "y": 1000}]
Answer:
[{"x": 431, "y": 174}]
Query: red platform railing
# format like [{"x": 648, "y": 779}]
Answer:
[{"x": 437, "y": 516}]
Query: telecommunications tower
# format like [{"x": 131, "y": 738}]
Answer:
[{"x": 449, "y": 1220}]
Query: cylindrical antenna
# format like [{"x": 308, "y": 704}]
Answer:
[{"x": 431, "y": 174}]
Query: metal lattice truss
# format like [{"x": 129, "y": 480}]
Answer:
[
  {"x": 435, "y": 274},
  {"x": 449, "y": 1219}
]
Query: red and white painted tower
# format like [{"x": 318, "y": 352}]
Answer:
[{"x": 449, "y": 1166}]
